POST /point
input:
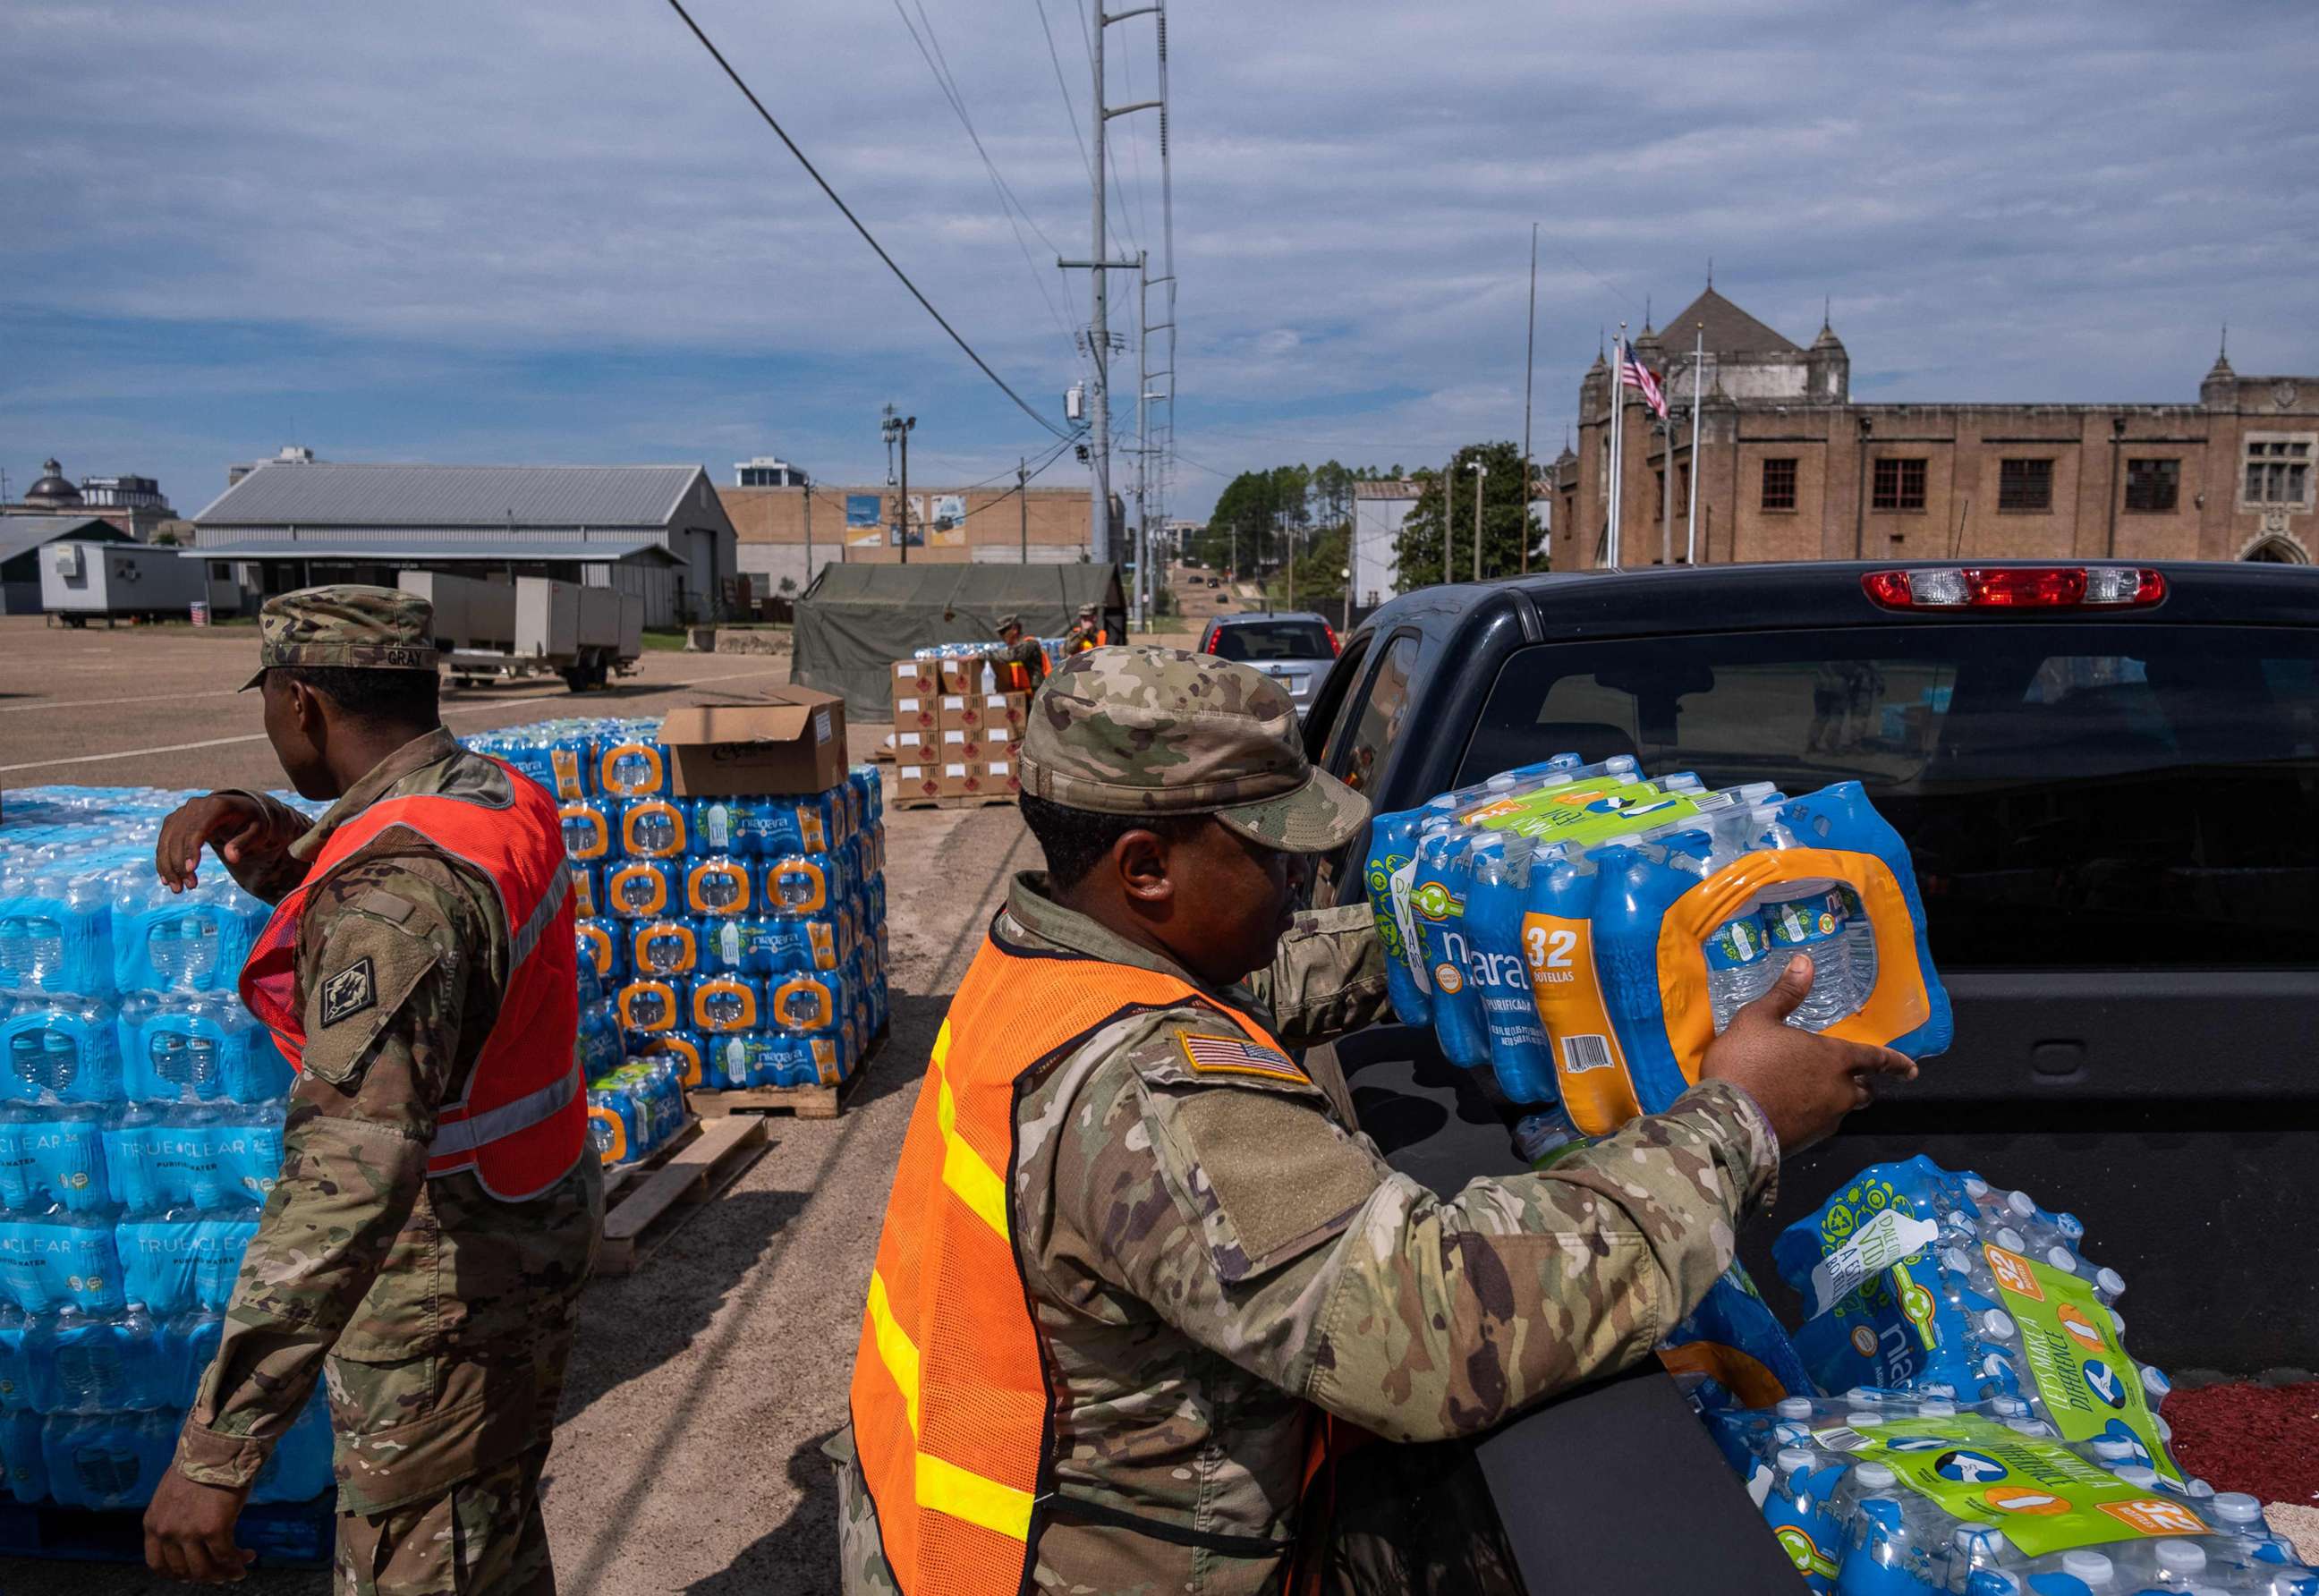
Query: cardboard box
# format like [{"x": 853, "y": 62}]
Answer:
[
  {"x": 916, "y": 679},
  {"x": 956, "y": 746},
  {"x": 917, "y": 714},
  {"x": 998, "y": 776},
  {"x": 997, "y": 740},
  {"x": 959, "y": 711},
  {"x": 961, "y": 676},
  {"x": 793, "y": 740},
  {"x": 913, "y": 747},
  {"x": 918, "y": 781},
  {"x": 959, "y": 780},
  {"x": 1007, "y": 709}
]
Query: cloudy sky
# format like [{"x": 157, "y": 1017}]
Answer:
[{"x": 519, "y": 232}]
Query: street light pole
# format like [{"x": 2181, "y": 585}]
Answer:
[
  {"x": 1481, "y": 482},
  {"x": 1448, "y": 526}
]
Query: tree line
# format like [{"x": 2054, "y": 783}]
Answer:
[{"x": 1291, "y": 526}]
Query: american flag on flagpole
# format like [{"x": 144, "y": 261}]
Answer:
[{"x": 1633, "y": 374}]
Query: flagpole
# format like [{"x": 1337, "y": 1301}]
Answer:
[
  {"x": 1698, "y": 358},
  {"x": 1618, "y": 440}
]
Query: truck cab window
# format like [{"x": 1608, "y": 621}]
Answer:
[{"x": 1359, "y": 742}]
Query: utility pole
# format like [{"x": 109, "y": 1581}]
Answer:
[
  {"x": 1101, "y": 265},
  {"x": 1530, "y": 354},
  {"x": 1022, "y": 502},
  {"x": 1481, "y": 482},
  {"x": 1143, "y": 596},
  {"x": 898, "y": 429},
  {"x": 809, "y": 535}
]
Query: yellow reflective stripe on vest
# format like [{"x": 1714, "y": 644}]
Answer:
[
  {"x": 947, "y": 1488},
  {"x": 972, "y": 1180},
  {"x": 896, "y": 1350}
]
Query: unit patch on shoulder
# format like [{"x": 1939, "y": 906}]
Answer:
[
  {"x": 1236, "y": 1055},
  {"x": 348, "y": 993}
]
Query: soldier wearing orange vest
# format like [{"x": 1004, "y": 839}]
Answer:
[
  {"x": 1087, "y": 632},
  {"x": 1018, "y": 664},
  {"x": 438, "y": 1210},
  {"x": 1138, "y": 1255}
]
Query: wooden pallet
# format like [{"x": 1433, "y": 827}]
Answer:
[
  {"x": 972, "y": 800},
  {"x": 808, "y": 1103},
  {"x": 698, "y": 1169},
  {"x": 627, "y": 1174}
]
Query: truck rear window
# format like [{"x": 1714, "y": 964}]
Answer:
[
  {"x": 1273, "y": 640},
  {"x": 2102, "y": 796}
]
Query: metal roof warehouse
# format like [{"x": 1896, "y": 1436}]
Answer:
[{"x": 657, "y": 531}]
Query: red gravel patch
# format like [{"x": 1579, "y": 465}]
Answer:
[{"x": 2262, "y": 1439}]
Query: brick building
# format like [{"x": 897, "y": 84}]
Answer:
[
  {"x": 983, "y": 525},
  {"x": 1791, "y": 467}
]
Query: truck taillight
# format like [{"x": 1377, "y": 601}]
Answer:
[{"x": 2015, "y": 587}]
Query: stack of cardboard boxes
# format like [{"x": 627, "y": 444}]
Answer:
[{"x": 952, "y": 740}]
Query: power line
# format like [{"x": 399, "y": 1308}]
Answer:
[
  {"x": 946, "y": 81},
  {"x": 1029, "y": 477},
  {"x": 1070, "y": 110},
  {"x": 751, "y": 95}
]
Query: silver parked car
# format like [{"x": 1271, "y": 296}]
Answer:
[{"x": 1294, "y": 647}]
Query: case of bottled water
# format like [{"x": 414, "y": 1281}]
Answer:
[
  {"x": 140, "y": 1129},
  {"x": 1881, "y": 1493},
  {"x": 1585, "y": 930}
]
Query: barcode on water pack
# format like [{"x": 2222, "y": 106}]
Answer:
[{"x": 1583, "y": 1053}]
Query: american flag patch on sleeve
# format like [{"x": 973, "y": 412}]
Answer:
[{"x": 1236, "y": 1055}]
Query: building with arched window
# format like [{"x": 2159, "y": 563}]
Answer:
[{"x": 1790, "y": 466}]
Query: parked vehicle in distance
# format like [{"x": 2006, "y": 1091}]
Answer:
[{"x": 1295, "y": 648}]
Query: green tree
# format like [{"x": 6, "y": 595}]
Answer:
[{"x": 1506, "y": 519}]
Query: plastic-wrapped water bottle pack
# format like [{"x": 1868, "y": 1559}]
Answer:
[
  {"x": 1915, "y": 1272},
  {"x": 732, "y": 941},
  {"x": 1584, "y": 931},
  {"x": 140, "y": 1129},
  {"x": 1881, "y": 1493}
]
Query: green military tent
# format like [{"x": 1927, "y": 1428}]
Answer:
[{"x": 857, "y": 619}]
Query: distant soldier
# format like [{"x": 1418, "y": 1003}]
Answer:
[
  {"x": 1137, "y": 1253},
  {"x": 438, "y": 1210},
  {"x": 1019, "y": 663},
  {"x": 1085, "y": 633}
]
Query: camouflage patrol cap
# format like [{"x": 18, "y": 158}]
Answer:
[
  {"x": 1158, "y": 731},
  {"x": 350, "y": 626},
  {"x": 1086, "y": 612},
  {"x": 1009, "y": 622}
]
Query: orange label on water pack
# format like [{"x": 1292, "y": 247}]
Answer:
[{"x": 1591, "y": 1070}]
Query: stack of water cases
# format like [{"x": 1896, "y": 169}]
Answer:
[
  {"x": 1584, "y": 931},
  {"x": 140, "y": 1129},
  {"x": 725, "y": 942}
]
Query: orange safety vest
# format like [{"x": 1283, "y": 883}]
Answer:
[
  {"x": 523, "y": 1122},
  {"x": 952, "y": 1413},
  {"x": 1013, "y": 676}
]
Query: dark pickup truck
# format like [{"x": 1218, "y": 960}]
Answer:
[{"x": 2108, "y": 780}]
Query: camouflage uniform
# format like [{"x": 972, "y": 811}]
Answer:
[
  {"x": 438, "y": 1316},
  {"x": 1085, "y": 633},
  {"x": 1205, "y": 1255},
  {"x": 1025, "y": 651}
]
